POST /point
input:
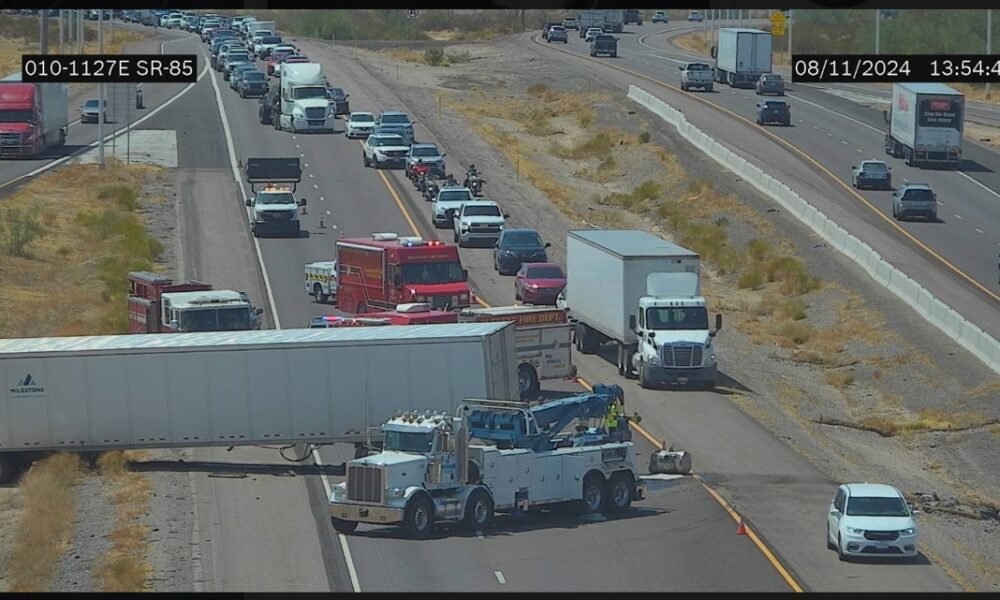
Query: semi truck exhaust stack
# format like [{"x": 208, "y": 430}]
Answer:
[{"x": 670, "y": 462}]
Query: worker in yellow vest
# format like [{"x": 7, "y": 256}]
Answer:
[{"x": 615, "y": 413}]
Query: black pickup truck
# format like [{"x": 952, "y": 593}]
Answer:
[{"x": 604, "y": 44}]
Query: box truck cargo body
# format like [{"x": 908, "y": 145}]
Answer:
[
  {"x": 926, "y": 121},
  {"x": 742, "y": 56},
  {"x": 241, "y": 388}
]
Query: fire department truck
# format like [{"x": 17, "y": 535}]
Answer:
[
  {"x": 380, "y": 272},
  {"x": 158, "y": 305}
]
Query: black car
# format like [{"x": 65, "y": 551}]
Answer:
[
  {"x": 253, "y": 83},
  {"x": 774, "y": 111},
  {"x": 339, "y": 98},
  {"x": 604, "y": 44},
  {"x": 517, "y": 246}
]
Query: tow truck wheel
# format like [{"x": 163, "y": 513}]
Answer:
[
  {"x": 527, "y": 381},
  {"x": 318, "y": 293},
  {"x": 342, "y": 526},
  {"x": 418, "y": 518},
  {"x": 479, "y": 511},
  {"x": 620, "y": 497},
  {"x": 594, "y": 493}
]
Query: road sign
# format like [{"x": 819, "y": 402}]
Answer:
[{"x": 778, "y": 21}]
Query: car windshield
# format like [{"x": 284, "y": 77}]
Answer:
[
  {"x": 442, "y": 272},
  {"x": 545, "y": 273},
  {"x": 862, "y": 506},
  {"x": 92, "y": 103},
  {"x": 454, "y": 196},
  {"x": 15, "y": 116},
  {"x": 698, "y": 67},
  {"x": 271, "y": 39},
  {"x": 236, "y": 318},
  {"x": 605, "y": 38},
  {"x": 774, "y": 105},
  {"x": 301, "y": 93},
  {"x": 398, "y": 119},
  {"x": 874, "y": 168},
  {"x": 238, "y": 58},
  {"x": 356, "y": 118},
  {"x": 558, "y": 28},
  {"x": 425, "y": 151},
  {"x": 337, "y": 92},
  {"x": 482, "y": 211},
  {"x": 683, "y": 318},
  {"x": 253, "y": 76},
  {"x": 918, "y": 195},
  {"x": 408, "y": 441},
  {"x": 388, "y": 140},
  {"x": 522, "y": 239},
  {"x": 283, "y": 198}
]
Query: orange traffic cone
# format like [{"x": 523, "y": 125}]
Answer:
[{"x": 742, "y": 529}]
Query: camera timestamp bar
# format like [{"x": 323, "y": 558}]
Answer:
[{"x": 895, "y": 68}]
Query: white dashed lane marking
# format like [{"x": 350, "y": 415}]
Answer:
[
  {"x": 978, "y": 230},
  {"x": 860, "y": 150},
  {"x": 958, "y": 216},
  {"x": 500, "y": 577}
]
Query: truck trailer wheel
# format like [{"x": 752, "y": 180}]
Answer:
[
  {"x": 479, "y": 510},
  {"x": 527, "y": 381},
  {"x": 342, "y": 526},
  {"x": 318, "y": 293},
  {"x": 621, "y": 493},
  {"x": 595, "y": 492},
  {"x": 418, "y": 518}
]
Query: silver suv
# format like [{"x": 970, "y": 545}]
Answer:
[{"x": 914, "y": 200}]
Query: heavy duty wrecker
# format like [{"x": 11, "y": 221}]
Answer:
[{"x": 428, "y": 470}]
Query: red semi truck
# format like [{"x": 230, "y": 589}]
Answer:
[
  {"x": 33, "y": 117},
  {"x": 158, "y": 305},
  {"x": 385, "y": 270}
]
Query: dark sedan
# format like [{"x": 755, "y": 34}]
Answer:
[
  {"x": 339, "y": 99},
  {"x": 539, "y": 283},
  {"x": 872, "y": 174},
  {"x": 774, "y": 111},
  {"x": 515, "y": 247}
]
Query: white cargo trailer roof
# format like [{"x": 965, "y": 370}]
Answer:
[
  {"x": 929, "y": 88},
  {"x": 631, "y": 243},
  {"x": 744, "y": 30},
  {"x": 225, "y": 340}
]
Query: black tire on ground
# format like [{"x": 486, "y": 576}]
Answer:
[
  {"x": 418, "y": 518},
  {"x": 840, "y": 551},
  {"x": 318, "y": 293},
  {"x": 479, "y": 511},
  {"x": 620, "y": 493},
  {"x": 622, "y": 359},
  {"x": 342, "y": 526},
  {"x": 709, "y": 89},
  {"x": 527, "y": 381},
  {"x": 595, "y": 493},
  {"x": 10, "y": 467}
]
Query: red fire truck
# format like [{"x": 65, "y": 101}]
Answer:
[
  {"x": 385, "y": 270},
  {"x": 158, "y": 305}
]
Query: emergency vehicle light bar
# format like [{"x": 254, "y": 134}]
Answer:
[{"x": 384, "y": 237}]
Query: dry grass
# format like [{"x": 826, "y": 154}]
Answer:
[
  {"x": 46, "y": 524},
  {"x": 19, "y": 35},
  {"x": 434, "y": 57},
  {"x": 124, "y": 568},
  {"x": 924, "y": 421},
  {"x": 839, "y": 379},
  {"x": 93, "y": 237}
]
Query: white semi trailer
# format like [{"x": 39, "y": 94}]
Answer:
[
  {"x": 296, "y": 386},
  {"x": 926, "y": 121}
]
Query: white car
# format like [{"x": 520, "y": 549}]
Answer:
[
  {"x": 592, "y": 33},
  {"x": 359, "y": 124},
  {"x": 479, "y": 221},
  {"x": 447, "y": 203},
  {"x": 695, "y": 16},
  {"x": 385, "y": 150},
  {"x": 871, "y": 520}
]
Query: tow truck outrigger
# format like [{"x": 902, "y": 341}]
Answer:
[
  {"x": 275, "y": 209},
  {"x": 428, "y": 471}
]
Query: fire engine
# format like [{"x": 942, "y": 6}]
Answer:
[
  {"x": 158, "y": 305},
  {"x": 385, "y": 270}
]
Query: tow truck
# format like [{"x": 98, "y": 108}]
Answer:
[
  {"x": 429, "y": 471},
  {"x": 275, "y": 209}
]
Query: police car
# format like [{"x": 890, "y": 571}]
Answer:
[{"x": 327, "y": 321}]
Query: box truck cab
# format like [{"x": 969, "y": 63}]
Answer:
[
  {"x": 33, "y": 117},
  {"x": 385, "y": 270},
  {"x": 305, "y": 105}
]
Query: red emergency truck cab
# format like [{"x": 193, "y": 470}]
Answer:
[
  {"x": 383, "y": 271},
  {"x": 33, "y": 117},
  {"x": 144, "y": 303},
  {"x": 416, "y": 314}
]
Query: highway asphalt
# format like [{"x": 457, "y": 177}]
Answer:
[
  {"x": 837, "y": 133},
  {"x": 258, "y": 533}
]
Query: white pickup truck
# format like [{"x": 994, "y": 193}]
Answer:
[
  {"x": 479, "y": 221},
  {"x": 697, "y": 75}
]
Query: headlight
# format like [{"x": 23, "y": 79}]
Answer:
[
  {"x": 396, "y": 492},
  {"x": 908, "y": 531},
  {"x": 854, "y": 531},
  {"x": 654, "y": 360},
  {"x": 298, "y": 113}
]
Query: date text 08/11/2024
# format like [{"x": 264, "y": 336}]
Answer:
[
  {"x": 895, "y": 68},
  {"x": 109, "y": 68}
]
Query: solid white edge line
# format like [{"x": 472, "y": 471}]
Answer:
[{"x": 351, "y": 570}]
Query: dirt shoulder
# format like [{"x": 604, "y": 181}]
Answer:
[{"x": 826, "y": 359}]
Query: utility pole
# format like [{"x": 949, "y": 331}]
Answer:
[
  {"x": 80, "y": 37},
  {"x": 62, "y": 31},
  {"x": 44, "y": 33},
  {"x": 878, "y": 20},
  {"x": 790, "y": 37},
  {"x": 100, "y": 94},
  {"x": 989, "y": 41}
]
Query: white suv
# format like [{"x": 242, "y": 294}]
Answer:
[
  {"x": 480, "y": 220},
  {"x": 447, "y": 204},
  {"x": 871, "y": 520}
]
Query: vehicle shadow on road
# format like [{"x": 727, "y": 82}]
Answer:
[
  {"x": 235, "y": 469},
  {"x": 920, "y": 561},
  {"x": 725, "y": 385},
  {"x": 968, "y": 166}
]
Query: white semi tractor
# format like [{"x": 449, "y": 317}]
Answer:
[
  {"x": 305, "y": 103},
  {"x": 297, "y": 386},
  {"x": 926, "y": 121},
  {"x": 650, "y": 305}
]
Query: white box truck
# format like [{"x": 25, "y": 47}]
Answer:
[
  {"x": 610, "y": 21},
  {"x": 644, "y": 294},
  {"x": 926, "y": 121},
  {"x": 742, "y": 56},
  {"x": 305, "y": 102},
  {"x": 296, "y": 386}
]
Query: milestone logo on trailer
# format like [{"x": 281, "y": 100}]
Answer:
[{"x": 28, "y": 387}]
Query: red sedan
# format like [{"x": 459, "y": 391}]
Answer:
[{"x": 539, "y": 283}]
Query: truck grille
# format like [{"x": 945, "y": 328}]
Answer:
[
  {"x": 10, "y": 139},
  {"x": 396, "y": 153},
  {"x": 364, "y": 483},
  {"x": 484, "y": 228},
  {"x": 276, "y": 215},
  {"x": 881, "y": 535},
  {"x": 316, "y": 113},
  {"x": 682, "y": 355}
]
